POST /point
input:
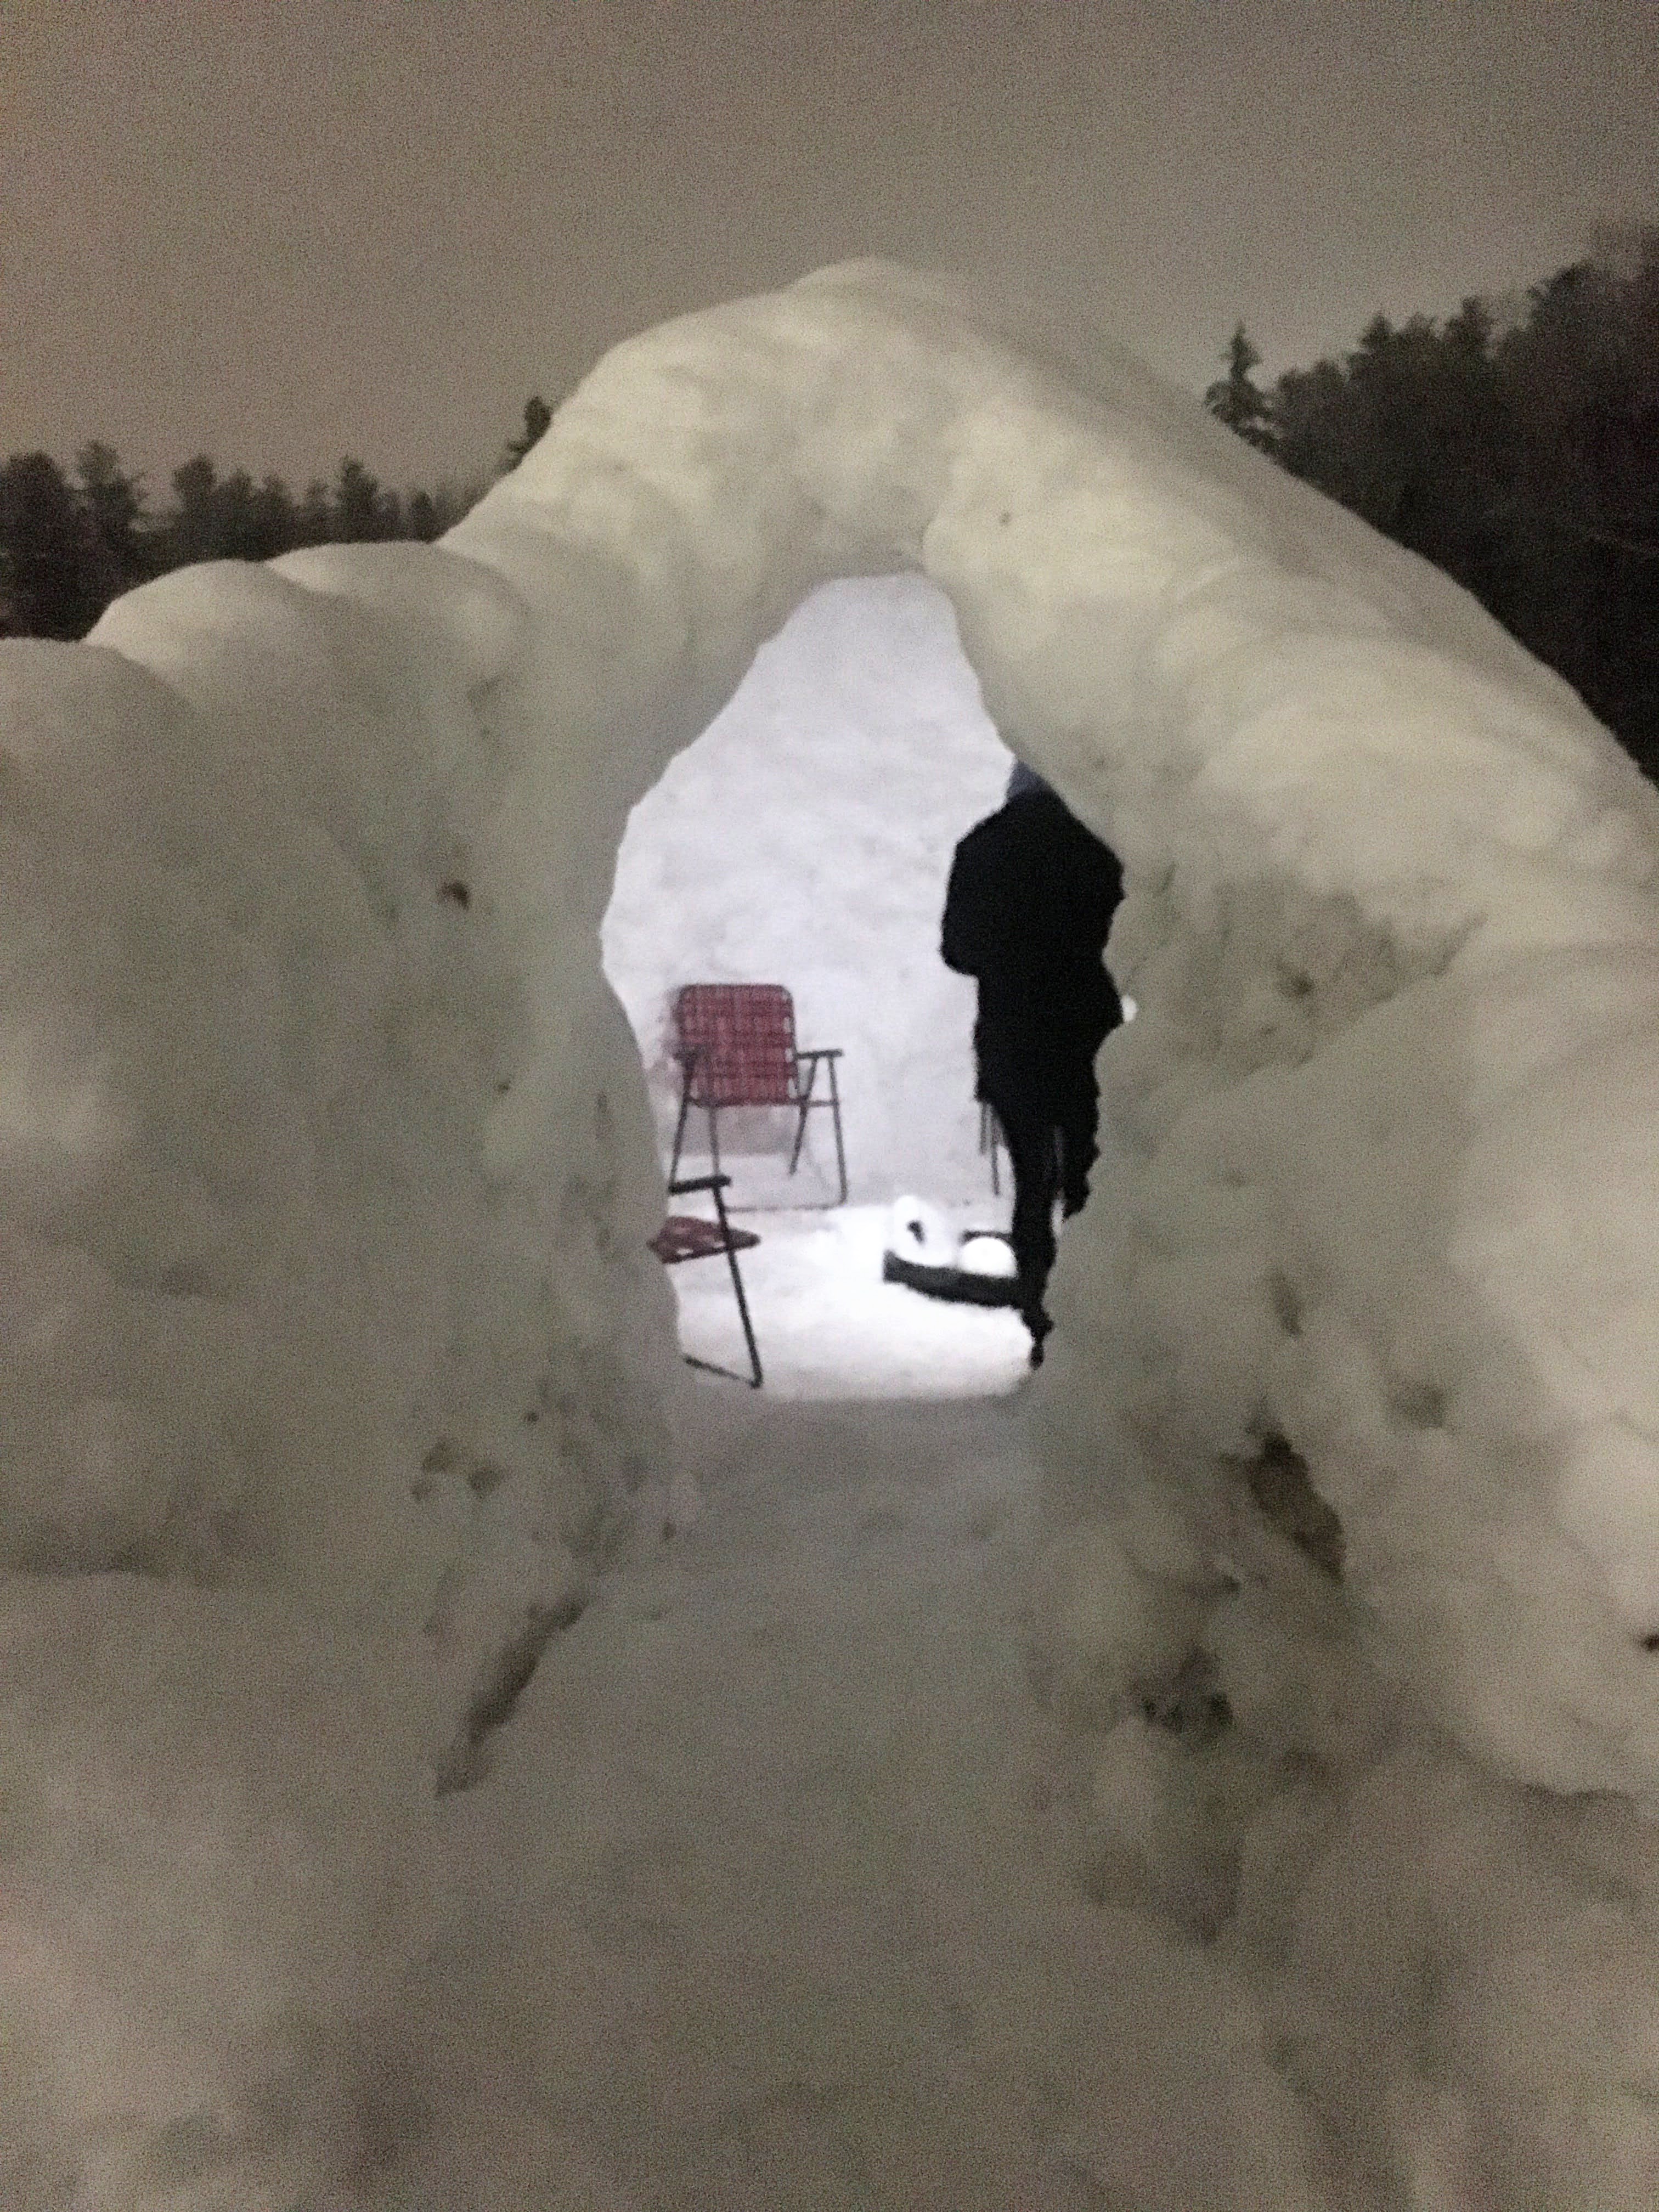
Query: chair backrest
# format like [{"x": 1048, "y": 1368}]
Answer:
[{"x": 743, "y": 1035}]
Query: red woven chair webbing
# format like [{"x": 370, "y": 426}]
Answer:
[
  {"x": 684, "y": 1236},
  {"x": 743, "y": 1035}
]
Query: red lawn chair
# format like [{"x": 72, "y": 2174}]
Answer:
[
  {"x": 690, "y": 1236},
  {"x": 735, "y": 1044}
]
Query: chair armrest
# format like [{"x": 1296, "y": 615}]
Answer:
[
  {"x": 698, "y": 1182},
  {"x": 820, "y": 1052}
]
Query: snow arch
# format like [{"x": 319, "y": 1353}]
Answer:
[
  {"x": 328, "y": 1168},
  {"x": 1391, "y": 914}
]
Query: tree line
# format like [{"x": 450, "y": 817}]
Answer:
[
  {"x": 72, "y": 540},
  {"x": 1513, "y": 445}
]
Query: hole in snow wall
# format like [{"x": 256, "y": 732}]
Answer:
[{"x": 805, "y": 838}]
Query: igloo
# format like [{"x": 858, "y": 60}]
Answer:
[{"x": 330, "y": 1169}]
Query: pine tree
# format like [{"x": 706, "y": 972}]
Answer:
[
  {"x": 193, "y": 532},
  {"x": 1237, "y": 400},
  {"x": 537, "y": 416},
  {"x": 50, "y": 565},
  {"x": 114, "y": 505}
]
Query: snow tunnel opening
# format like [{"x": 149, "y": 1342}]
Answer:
[{"x": 804, "y": 839}]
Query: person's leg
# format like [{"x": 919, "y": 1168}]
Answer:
[
  {"x": 1029, "y": 1129},
  {"x": 1078, "y": 1115}
]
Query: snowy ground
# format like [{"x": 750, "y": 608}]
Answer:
[
  {"x": 761, "y": 1911},
  {"x": 827, "y": 1325}
]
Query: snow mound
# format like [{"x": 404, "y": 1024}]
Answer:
[
  {"x": 219, "y": 1848},
  {"x": 327, "y": 1160}
]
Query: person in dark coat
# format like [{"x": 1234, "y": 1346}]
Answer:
[{"x": 1030, "y": 902}]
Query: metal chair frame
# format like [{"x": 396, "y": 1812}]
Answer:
[
  {"x": 676, "y": 1242},
  {"x": 800, "y": 1093}
]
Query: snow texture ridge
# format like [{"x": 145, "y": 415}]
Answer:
[{"x": 328, "y": 1164}]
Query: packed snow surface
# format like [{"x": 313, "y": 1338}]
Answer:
[
  {"x": 766, "y": 1905},
  {"x": 828, "y": 1327},
  {"x": 336, "y": 1363}
]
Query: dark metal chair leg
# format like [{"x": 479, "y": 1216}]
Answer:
[
  {"x": 805, "y": 1108},
  {"x": 737, "y": 1285},
  {"x": 840, "y": 1149},
  {"x": 680, "y": 1126}
]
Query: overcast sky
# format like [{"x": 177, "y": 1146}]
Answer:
[{"x": 281, "y": 230}]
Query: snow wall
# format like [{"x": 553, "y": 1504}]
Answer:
[
  {"x": 332, "y": 1351},
  {"x": 805, "y": 838}
]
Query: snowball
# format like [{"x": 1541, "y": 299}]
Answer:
[
  {"x": 919, "y": 1230},
  {"x": 987, "y": 1256}
]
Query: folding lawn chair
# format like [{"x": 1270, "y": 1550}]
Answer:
[
  {"x": 735, "y": 1044},
  {"x": 692, "y": 1237}
]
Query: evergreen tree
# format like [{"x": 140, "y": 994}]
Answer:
[
  {"x": 360, "y": 512},
  {"x": 114, "y": 506},
  {"x": 193, "y": 528},
  {"x": 314, "y": 518},
  {"x": 274, "y": 523},
  {"x": 1236, "y": 399},
  {"x": 537, "y": 416},
  {"x": 50, "y": 558},
  {"x": 1526, "y": 465}
]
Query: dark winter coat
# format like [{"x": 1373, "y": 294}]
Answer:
[{"x": 1030, "y": 900}]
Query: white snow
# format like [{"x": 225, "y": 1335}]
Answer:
[
  {"x": 804, "y": 839},
  {"x": 765, "y": 1900},
  {"x": 828, "y": 1327},
  {"x": 334, "y": 1356}
]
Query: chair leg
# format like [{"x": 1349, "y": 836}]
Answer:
[
  {"x": 737, "y": 1285},
  {"x": 841, "y": 1150},
  {"x": 806, "y": 1106},
  {"x": 714, "y": 1137},
  {"x": 679, "y": 1127}
]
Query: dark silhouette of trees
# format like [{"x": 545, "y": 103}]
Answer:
[
  {"x": 114, "y": 504},
  {"x": 1521, "y": 457},
  {"x": 50, "y": 556},
  {"x": 68, "y": 546},
  {"x": 1517, "y": 451},
  {"x": 361, "y": 511},
  {"x": 193, "y": 533},
  {"x": 537, "y": 416},
  {"x": 1236, "y": 399}
]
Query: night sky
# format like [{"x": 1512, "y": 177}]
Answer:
[{"x": 279, "y": 233}]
